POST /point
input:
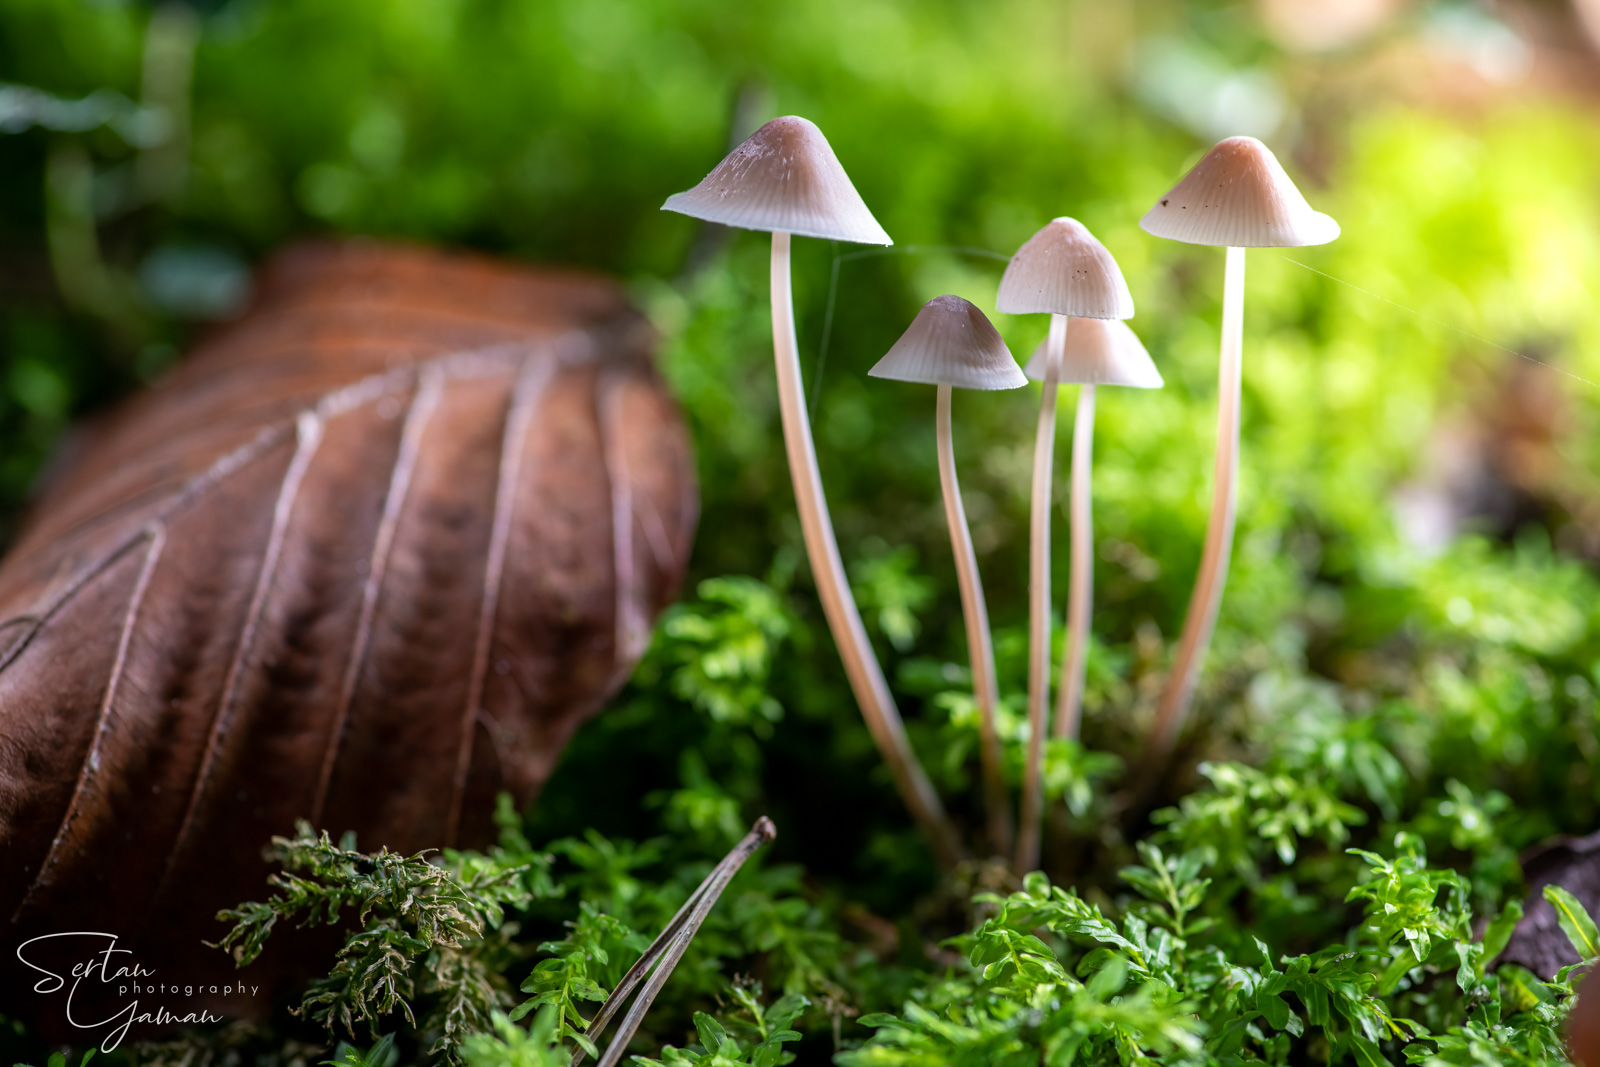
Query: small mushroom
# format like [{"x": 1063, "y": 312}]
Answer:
[
  {"x": 1098, "y": 352},
  {"x": 1238, "y": 197},
  {"x": 786, "y": 180},
  {"x": 952, "y": 345},
  {"x": 1065, "y": 272}
]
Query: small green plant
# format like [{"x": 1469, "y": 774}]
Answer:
[
  {"x": 1051, "y": 978},
  {"x": 755, "y": 1035},
  {"x": 565, "y": 980},
  {"x": 717, "y": 653},
  {"x": 420, "y": 927},
  {"x": 59, "y": 1059},
  {"x": 508, "y": 1045},
  {"x": 382, "y": 1053},
  {"x": 1249, "y": 814}
]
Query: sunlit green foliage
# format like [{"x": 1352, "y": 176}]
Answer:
[{"x": 1167, "y": 974}]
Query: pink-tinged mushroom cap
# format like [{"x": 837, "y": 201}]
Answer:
[
  {"x": 951, "y": 342},
  {"x": 1064, "y": 270},
  {"x": 1238, "y": 196},
  {"x": 1100, "y": 352},
  {"x": 783, "y": 179}
]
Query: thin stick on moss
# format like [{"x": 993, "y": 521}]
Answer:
[{"x": 668, "y": 948}]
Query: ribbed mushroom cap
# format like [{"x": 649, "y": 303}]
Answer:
[
  {"x": 1063, "y": 270},
  {"x": 951, "y": 342},
  {"x": 783, "y": 178},
  {"x": 1100, "y": 352},
  {"x": 1239, "y": 196}
]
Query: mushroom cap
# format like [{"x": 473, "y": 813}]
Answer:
[
  {"x": 1100, "y": 352},
  {"x": 951, "y": 342},
  {"x": 1064, "y": 270},
  {"x": 1240, "y": 197},
  {"x": 783, "y": 179}
]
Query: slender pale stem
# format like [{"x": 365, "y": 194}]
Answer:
[
  {"x": 1207, "y": 595},
  {"x": 838, "y": 605},
  {"x": 1028, "y": 828},
  {"x": 980, "y": 646},
  {"x": 1080, "y": 593}
]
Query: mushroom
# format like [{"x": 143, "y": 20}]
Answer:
[
  {"x": 1098, "y": 352},
  {"x": 786, "y": 180},
  {"x": 1238, "y": 197},
  {"x": 1062, "y": 271},
  {"x": 951, "y": 344}
]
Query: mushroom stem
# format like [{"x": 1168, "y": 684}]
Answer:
[
  {"x": 1207, "y": 596},
  {"x": 838, "y": 605},
  {"x": 1080, "y": 593},
  {"x": 980, "y": 645},
  {"x": 1029, "y": 822}
]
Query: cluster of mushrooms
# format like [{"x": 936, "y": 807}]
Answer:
[{"x": 786, "y": 180}]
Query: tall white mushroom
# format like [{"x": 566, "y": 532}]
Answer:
[
  {"x": 1238, "y": 197},
  {"x": 952, "y": 345},
  {"x": 786, "y": 180},
  {"x": 1098, "y": 352},
  {"x": 1062, "y": 271}
]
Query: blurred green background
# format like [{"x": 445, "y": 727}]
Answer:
[{"x": 1413, "y": 598}]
